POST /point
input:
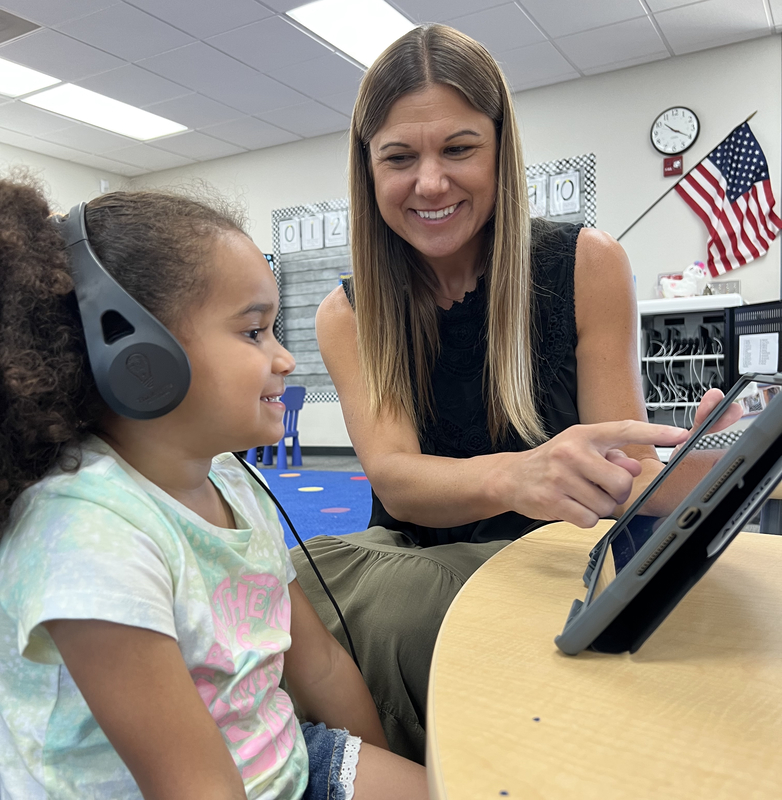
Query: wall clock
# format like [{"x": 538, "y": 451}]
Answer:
[{"x": 675, "y": 130}]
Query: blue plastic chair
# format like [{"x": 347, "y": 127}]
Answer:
[{"x": 293, "y": 398}]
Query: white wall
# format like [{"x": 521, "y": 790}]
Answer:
[
  {"x": 292, "y": 174},
  {"x": 66, "y": 183},
  {"x": 611, "y": 115}
]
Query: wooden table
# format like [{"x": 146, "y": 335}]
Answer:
[{"x": 695, "y": 713}]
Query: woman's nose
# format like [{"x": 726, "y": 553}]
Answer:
[{"x": 432, "y": 179}]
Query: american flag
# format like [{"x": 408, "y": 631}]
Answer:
[{"x": 731, "y": 192}]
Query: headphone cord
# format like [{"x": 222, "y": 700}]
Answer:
[{"x": 306, "y": 553}]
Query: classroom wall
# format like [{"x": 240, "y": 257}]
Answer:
[
  {"x": 611, "y": 115},
  {"x": 608, "y": 114},
  {"x": 66, "y": 183}
]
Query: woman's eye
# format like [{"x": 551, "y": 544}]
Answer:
[
  {"x": 401, "y": 158},
  {"x": 458, "y": 150}
]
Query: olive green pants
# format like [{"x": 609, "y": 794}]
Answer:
[{"x": 393, "y": 595}]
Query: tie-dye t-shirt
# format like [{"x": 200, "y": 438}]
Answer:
[{"x": 105, "y": 543}]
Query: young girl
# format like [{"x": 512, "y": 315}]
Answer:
[{"x": 148, "y": 605}]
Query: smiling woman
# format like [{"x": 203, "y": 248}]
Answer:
[{"x": 466, "y": 350}]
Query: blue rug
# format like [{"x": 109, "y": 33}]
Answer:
[{"x": 321, "y": 503}]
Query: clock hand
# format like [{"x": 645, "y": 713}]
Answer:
[{"x": 674, "y": 129}]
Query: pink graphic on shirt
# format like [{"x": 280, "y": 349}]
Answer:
[{"x": 256, "y": 717}]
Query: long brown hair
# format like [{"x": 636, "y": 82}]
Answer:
[
  {"x": 392, "y": 283},
  {"x": 155, "y": 245}
]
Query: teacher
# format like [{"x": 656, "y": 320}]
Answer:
[{"x": 486, "y": 363}]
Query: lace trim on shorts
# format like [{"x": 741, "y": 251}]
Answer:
[{"x": 347, "y": 772}]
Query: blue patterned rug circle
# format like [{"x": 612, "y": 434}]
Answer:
[{"x": 340, "y": 504}]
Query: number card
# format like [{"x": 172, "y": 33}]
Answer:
[
  {"x": 536, "y": 190},
  {"x": 336, "y": 223},
  {"x": 290, "y": 236},
  {"x": 564, "y": 195},
  {"x": 312, "y": 232}
]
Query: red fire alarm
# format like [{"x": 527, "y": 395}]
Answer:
[{"x": 673, "y": 166}]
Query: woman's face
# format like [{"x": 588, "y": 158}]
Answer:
[{"x": 434, "y": 162}]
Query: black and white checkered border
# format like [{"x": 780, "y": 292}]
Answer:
[
  {"x": 321, "y": 397},
  {"x": 293, "y": 212},
  {"x": 587, "y": 165}
]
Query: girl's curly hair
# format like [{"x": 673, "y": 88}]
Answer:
[{"x": 155, "y": 245}]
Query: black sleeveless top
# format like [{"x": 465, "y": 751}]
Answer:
[{"x": 460, "y": 427}]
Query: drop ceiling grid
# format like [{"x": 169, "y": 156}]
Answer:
[{"x": 241, "y": 76}]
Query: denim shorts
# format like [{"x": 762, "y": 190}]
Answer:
[{"x": 333, "y": 757}]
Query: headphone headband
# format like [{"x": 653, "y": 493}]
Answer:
[{"x": 140, "y": 369}]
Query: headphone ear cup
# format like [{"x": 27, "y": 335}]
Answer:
[{"x": 140, "y": 369}]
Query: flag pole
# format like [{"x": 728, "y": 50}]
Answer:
[{"x": 665, "y": 194}]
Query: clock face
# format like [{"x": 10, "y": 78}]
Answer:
[{"x": 675, "y": 130}]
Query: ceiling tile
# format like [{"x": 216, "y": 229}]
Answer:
[
  {"x": 150, "y": 158},
  {"x": 202, "y": 18},
  {"x": 565, "y": 17},
  {"x": 194, "y": 110},
  {"x": 222, "y": 78},
  {"x": 109, "y": 164},
  {"x": 776, "y": 13},
  {"x": 134, "y": 85},
  {"x": 630, "y": 62},
  {"x": 329, "y": 74},
  {"x": 308, "y": 119},
  {"x": 53, "y": 12},
  {"x": 197, "y": 146},
  {"x": 268, "y": 44},
  {"x": 440, "y": 10},
  {"x": 612, "y": 44},
  {"x": 664, "y": 5},
  {"x": 342, "y": 102},
  {"x": 88, "y": 139},
  {"x": 711, "y": 24},
  {"x": 33, "y": 121},
  {"x": 126, "y": 32},
  {"x": 535, "y": 65},
  {"x": 58, "y": 55},
  {"x": 16, "y": 139},
  {"x": 250, "y": 133},
  {"x": 502, "y": 28},
  {"x": 283, "y": 5}
]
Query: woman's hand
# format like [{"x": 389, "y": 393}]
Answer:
[
  {"x": 581, "y": 474},
  {"x": 708, "y": 403}
]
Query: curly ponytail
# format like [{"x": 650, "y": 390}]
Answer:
[
  {"x": 155, "y": 245},
  {"x": 46, "y": 384}
]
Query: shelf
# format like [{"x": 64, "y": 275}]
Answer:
[
  {"x": 665, "y": 359},
  {"x": 684, "y": 305}
]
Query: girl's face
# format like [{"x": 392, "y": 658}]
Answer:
[
  {"x": 434, "y": 162},
  {"x": 238, "y": 367}
]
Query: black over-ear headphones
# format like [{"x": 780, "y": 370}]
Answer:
[{"x": 140, "y": 369}]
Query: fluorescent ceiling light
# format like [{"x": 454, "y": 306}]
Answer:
[
  {"x": 16, "y": 80},
  {"x": 360, "y": 28},
  {"x": 103, "y": 112}
]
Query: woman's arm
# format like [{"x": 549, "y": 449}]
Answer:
[
  {"x": 323, "y": 678},
  {"x": 609, "y": 378},
  {"x": 139, "y": 690},
  {"x": 570, "y": 477}
]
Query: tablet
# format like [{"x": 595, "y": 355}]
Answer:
[{"x": 664, "y": 543}]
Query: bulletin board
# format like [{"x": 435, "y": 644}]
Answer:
[{"x": 312, "y": 256}]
